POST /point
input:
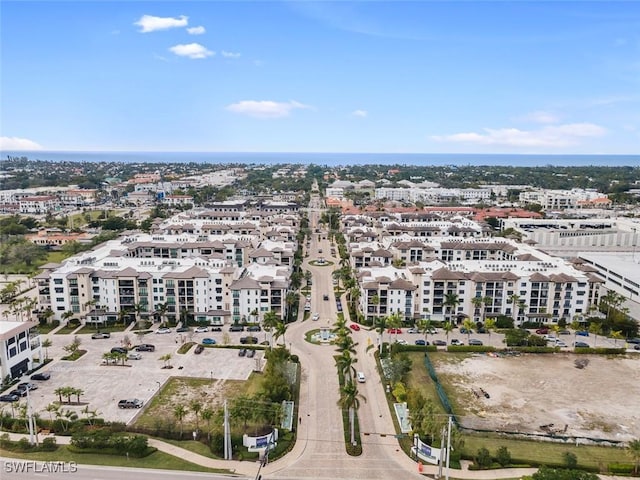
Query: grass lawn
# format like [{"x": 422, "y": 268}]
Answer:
[
  {"x": 421, "y": 381},
  {"x": 46, "y": 328},
  {"x": 90, "y": 328},
  {"x": 67, "y": 329},
  {"x": 56, "y": 257},
  {"x": 546, "y": 452},
  {"x": 191, "y": 445},
  {"x": 158, "y": 460}
]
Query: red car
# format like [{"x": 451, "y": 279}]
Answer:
[
  {"x": 354, "y": 327},
  {"x": 394, "y": 330},
  {"x": 542, "y": 331}
]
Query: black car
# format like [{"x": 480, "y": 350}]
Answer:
[
  {"x": 581, "y": 345},
  {"x": 236, "y": 328},
  {"x": 325, "y": 297},
  {"x": 216, "y": 329},
  {"x": 249, "y": 340},
  {"x": 9, "y": 398},
  {"x": 242, "y": 352},
  {"x": 146, "y": 347},
  {"x": 440, "y": 343},
  {"x": 27, "y": 386},
  {"x": 19, "y": 392},
  {"x": 634, "y": 340},
  {"x": 183, "y": 329},
  {"x": 119, "y": 350},
  {"x": 41, "y": 376},
  {"x": 421, "y": 342},
  {"x": 253, "y": 328},
  {"x": 130, "y": 403},
  {"x": 199, "y": 349}
]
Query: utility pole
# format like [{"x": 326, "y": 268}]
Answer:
[
  {"x": 448, "y": 445},
  {"x": 228, "y": 454}
]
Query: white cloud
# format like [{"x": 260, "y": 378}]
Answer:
[
  {"x": 226, "y": 54},
  {"x": 16, "y": 143},
  {"x": 540, "y": 116},
  {"x": 196, "y": 30},
  {"x": 191, "y": 50},
  {"x": 149, "y": 23},
  {"x": 549, "y": 136},
  {"x": 265, "y": 108},
  {"x": 360, "y": 113}
]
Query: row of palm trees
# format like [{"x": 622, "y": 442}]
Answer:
[{"x": 349, "y": 395}]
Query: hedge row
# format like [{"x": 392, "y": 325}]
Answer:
[
  {"x": 470, "y": 348},
  {"x": 600, "y": 350}
]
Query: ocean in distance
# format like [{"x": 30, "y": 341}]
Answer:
[{"x": 335, "y": 159}]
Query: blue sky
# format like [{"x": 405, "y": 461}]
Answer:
[{"x": 395, "y": 77}]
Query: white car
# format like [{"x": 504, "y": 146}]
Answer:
[
  {"x": 134, "y": 356},
  {"x": 163, "y": 330},
  {"x": 560, "y": 343},
  {"x": 202, "y": 329},
  {"x": 316, "y": 316},
  {"x": 401, "y": 342},
  {"x": 413, "y": 330}
]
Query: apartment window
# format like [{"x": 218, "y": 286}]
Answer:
[{"x": 57, "y": 281}]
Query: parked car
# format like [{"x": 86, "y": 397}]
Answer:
[
  {"x": 636, "y": 346},
  {"x": 236, "y": 328},
  {"x": 361, "y": 378},
  {"x": 9, "y": 398},
  {"x": 201, "y": 329},
  {"x": 216, "y": 329},
  {"x": 401, "y": 341},
  {"x": 421, "y": 342},
  {"x": 440, "y": 343},
  {"x": 119, "y": 350},
  {"x": 27, "y": 386},
  {"x": 307, "y": 307},
  {"x": 308, "y": 298},
  {"x": 582, "y": 333},
  {"x": 41, "y": 376},
  {"x": 394, "y": 330},
  {"x": 242, "y": 352},
  {"x": 208, "y": 341},
  {"x": 476, "y": 342},
  {"x": 198, "y": 350},
  {"x": 635, "y": 341},
  {"x": 542, "y": 331},
  {"x": 325, "y": 297},
  {"x": 455, "y": 341},
  {"x": 251, "y": 353},
  {"x": 560, "y": 343},
  {"x": 355, "y": 327},
  {"x": 316, "y": 316},
  {"x": 581, "y": 345},
  {"x": 183, "y": 329},
  {"x": 130, "y": 403},
  {"x": 564, "y": 332},
  {"x": 413, "y": 330},
  {"x": 146, "y": 347},
  {"x": 134, "y": 356},
  {"x": 249, "y": 340},
  {"x": 162, "y": 331},
  {"x": 254, "y": 328},
  {"x": 99, "y": 335},
  {"x": 465, "y": 331},
  {"x": 19, "y": 393}
]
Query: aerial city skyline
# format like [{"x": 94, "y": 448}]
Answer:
[{"x": 378, "y": 77}]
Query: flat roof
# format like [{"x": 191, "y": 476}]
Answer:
[
  {"x": 10, "y": 329},
  {"x": 622, "y": 263}
]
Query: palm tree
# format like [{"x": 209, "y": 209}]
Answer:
[
  {"x": 77, "y": 392},
  {"x": 425, "y": 327},
  {"x": 52, "y": 408},
  {"x": 596, "y": 329},
  {"x": 46, "y": 343},
  {"x": 66, "y": 316},
  {"x": 345, "y": 364},
  {"x": 477, "y": 303},
  {"x": 515, "y": 300},
  {"x": 290, "y": 301},
  {"x": 162, "y": 311},
  {"x": 633, "y": 450},
  {"x": 59, "y": 391},
  {"x": 486, "y": 300},
  {"x": 166, "y": 358},
  {"x": 180, "y": 411},
  {"x": 448, "y": 328},
  {"x": 451, "y": 301},
  {"x": 350, "y": 399},
  {"x": 489, "y": 325},
  {"x": 395, "y": 321},
  {"x": 269, "y": 322},
  {"x": 207, "y": 414},
  {"x": 381, "y": 326},
  {"x": 616, "y": 335},
  {"x": 468, "y": 325},
  {"x": 280, "y": 330},
  {"x": 196, "y": 408}
]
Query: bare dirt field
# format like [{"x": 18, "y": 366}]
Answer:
[{"x": 599, "y": 401}]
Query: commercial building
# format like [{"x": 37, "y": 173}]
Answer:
[{"x": 20, "y": 348}]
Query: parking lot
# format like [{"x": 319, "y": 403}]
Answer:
[{"x": 104, "y": 385}]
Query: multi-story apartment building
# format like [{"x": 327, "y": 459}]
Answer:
[
  {"x": 39, "y": 204},
  {"x": 20, "y": 348}
]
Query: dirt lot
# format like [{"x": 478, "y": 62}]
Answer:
[{"x": 529, "y": 391}]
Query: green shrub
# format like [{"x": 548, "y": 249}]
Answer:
[
  {"x": 599, "y": 351},
  {"x": 49, "y": 444},
  {"x": 536, "y": 349},
  {"x": 503, "y": 456},
  {"x": 621, "y": 468},
  {"x": 470, "y": 348},
  {"x": 483, "y": 458}
]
